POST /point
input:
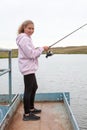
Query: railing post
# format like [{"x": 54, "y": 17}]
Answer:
[{"x": 10, "y": 76}]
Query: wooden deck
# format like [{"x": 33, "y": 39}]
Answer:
[{"x": 53, "y": 117}]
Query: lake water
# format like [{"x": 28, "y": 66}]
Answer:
[{"x": 59, "y": 73}]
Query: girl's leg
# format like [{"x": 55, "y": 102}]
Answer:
[
  {"x": 35, "y": 86},
  {"x": 28, "y": 82}
]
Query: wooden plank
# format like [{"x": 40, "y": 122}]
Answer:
[{"x": 53, "y": 117}]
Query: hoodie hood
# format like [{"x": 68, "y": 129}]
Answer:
[{"x": 19, "y": 37}]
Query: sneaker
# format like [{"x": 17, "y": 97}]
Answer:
[
  {"x": 36, "y": 111},
  {"x": 31, "y": 117}
]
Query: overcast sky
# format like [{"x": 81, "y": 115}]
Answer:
[{"x": 53, "y": 20}]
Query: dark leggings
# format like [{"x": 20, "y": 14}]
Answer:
[{"x": 29, "y": 92}]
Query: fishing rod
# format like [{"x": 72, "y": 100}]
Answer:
[{"x": 49, "y": 53}]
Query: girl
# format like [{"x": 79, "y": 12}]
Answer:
[{"x": 28, "y": 64}]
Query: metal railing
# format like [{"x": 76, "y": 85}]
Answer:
[{"x": 8, "y": 70}]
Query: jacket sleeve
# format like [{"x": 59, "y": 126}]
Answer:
[{"x": 28, "y": 49}]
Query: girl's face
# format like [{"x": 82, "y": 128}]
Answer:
[{"x": 29, "y": 29}]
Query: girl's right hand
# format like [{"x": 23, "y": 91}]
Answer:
[{"x": 46, "y": 48}]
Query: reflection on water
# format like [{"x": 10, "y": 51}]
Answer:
[{"x": 57, "y": 73}]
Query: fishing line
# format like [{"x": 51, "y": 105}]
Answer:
[{"x": 49, "y": 53}]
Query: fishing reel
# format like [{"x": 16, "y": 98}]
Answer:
[{"x": 49, "y": 53}]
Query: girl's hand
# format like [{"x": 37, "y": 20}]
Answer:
[{"x": 46, "y": 48}]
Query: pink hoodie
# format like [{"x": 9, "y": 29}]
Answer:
[{"x": 27, "y": 54}]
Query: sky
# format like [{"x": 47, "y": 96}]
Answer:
[{"x": 53, "y": 19}]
